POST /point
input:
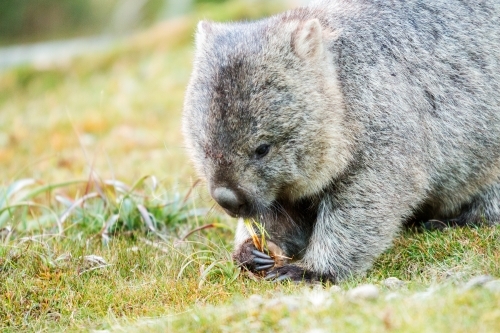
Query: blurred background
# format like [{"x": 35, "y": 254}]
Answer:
[
  {"x": 97, "y": 86},
  {"x": 32, "y": 21},
  {"x": 36, "y": 20}
]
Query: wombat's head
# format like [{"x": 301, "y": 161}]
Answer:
[{"x": 263, "y": 114}]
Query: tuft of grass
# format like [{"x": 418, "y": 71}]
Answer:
[
  {"x": 105, "y": 207},
  {"x": 260, "y": 244}
]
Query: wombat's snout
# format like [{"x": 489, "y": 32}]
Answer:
[{"x": 233, "y": 203}]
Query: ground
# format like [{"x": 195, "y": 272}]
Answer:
[{"x": 99, "y": 210}]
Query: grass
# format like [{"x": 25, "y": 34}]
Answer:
[
  {"x": 445, "y": 310},
  {"x": 88, "y": 242},
  {"x": 147, "y": 284}
]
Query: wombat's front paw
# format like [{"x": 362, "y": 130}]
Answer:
[
  {"x": 297, "y": 274},
  {"x": 251, "y": 258}
]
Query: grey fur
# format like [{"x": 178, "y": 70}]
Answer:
[{"x": 375, "y": 111}]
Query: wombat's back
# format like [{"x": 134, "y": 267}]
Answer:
[{"x": 423, "y": 77}]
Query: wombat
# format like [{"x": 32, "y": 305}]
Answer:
[{"x": 336, "y": 123}]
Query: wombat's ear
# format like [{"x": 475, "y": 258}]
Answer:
[
  {"x": 204, "y": 27},
  {"x": 203, "y": 30},
  {"x": 307, "y": 40}
]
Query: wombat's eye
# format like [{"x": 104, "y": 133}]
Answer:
[{"x": 262, "y": 150}]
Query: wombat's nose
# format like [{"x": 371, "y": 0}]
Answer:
[{"x": 228, "y": 200}]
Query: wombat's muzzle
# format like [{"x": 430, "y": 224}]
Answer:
[{"x": 234, "y": 203}]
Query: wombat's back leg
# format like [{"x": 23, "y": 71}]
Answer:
[{"x": 484, "y": 209}]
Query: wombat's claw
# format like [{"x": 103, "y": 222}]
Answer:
[
  {"x": 433, "y": 225},
  {"x": 262, "y": 255},
  {"x": 262, "y": 261},
  {"x": 281, "y": 274},
  {"x": 263, "y": 268},
  {"x": 275, "y": 277}
]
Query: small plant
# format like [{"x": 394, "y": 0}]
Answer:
[{"x": 105, "y": 207}]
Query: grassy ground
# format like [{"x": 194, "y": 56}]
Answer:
[{"x": 80, "y": 250}]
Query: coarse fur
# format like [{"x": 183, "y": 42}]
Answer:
[{"x": 373, "y": 112}]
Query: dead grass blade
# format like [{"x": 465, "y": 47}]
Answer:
[
  {"x": 146, "y": 217},
  {"x": 188, "y": 194},
  {"x": 203, "y": 227},
  {"x": 107, "y": 227},
  {"x": 77, "y": 203}
]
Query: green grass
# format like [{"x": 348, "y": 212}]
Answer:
[
  {"x": 193, "y": 285},
  {"x": 80, "y": 250}
]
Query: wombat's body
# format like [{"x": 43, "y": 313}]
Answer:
[{"x": 334, "y": 124}]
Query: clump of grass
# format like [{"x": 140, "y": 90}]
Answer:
[
  {"x": 107, "y": 207},
  {"x": 251, "y": 225}
]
